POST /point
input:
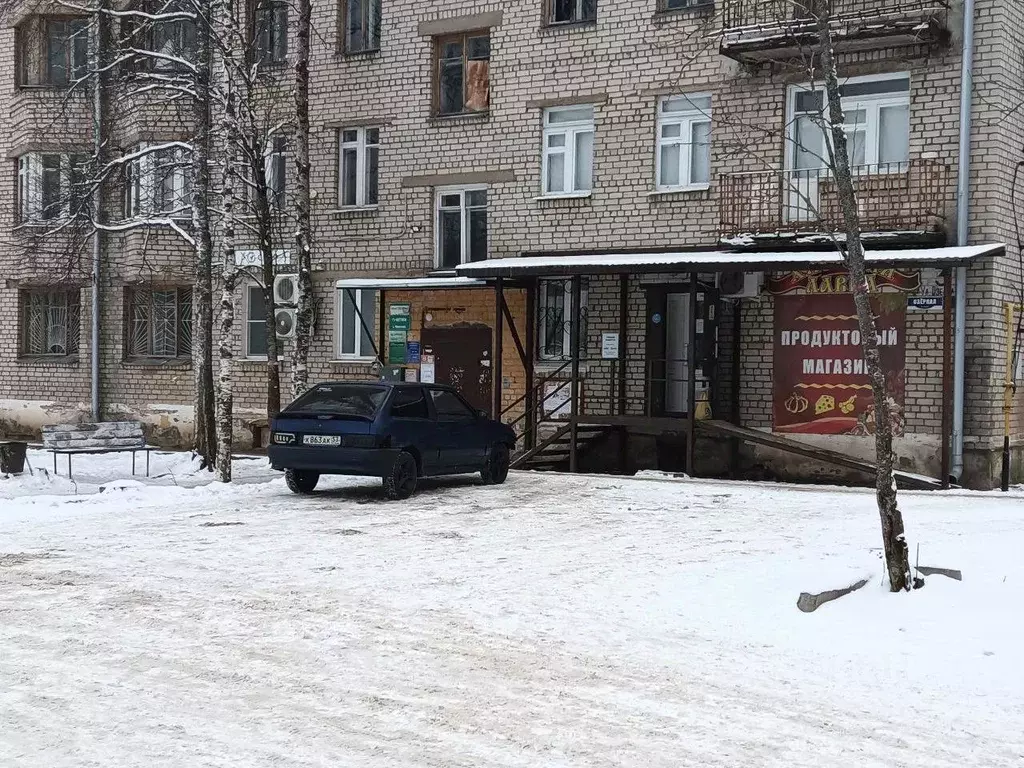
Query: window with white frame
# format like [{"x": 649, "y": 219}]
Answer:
[
  {"x": 684, "y": 142},
  {"x": 554, "y": 319},
  {"x": 568, "y": 166},
  {"x": 276, "y": 167},
  {"x": 877, "y": 125},
  {"x": 357, "y": 310},
  {"x": 51, "y": 186},
  {"x": 255, "y": 322},
  {"x": 571, "y": 11},
  {"x": 461, "y": 226},
  {"x": 158, "y": 183},
  {"x": 357, "y": 172}
]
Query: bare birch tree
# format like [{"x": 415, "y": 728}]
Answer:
[{"x": 303, "y": 216}]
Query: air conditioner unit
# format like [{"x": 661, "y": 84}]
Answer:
[
  {"x": 739, "y": 285},
  {"x": 284, "y": 321},
  {"x": 286, "y": 290}
]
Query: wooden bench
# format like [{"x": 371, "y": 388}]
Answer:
[{"x": 108, "y": 437}]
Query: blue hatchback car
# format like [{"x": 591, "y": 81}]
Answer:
[{"x": 397, "y": 431}]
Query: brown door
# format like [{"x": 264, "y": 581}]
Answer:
[{"x": 462, "y": 359}]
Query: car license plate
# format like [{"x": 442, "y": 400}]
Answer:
[{"x": 321, "y": 440}]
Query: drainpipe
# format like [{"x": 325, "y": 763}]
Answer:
[
  {"x": 97, "y": 204},
  {"x": 962, "y": 211}
]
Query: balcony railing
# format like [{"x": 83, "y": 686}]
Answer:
[
  {"x": 752, "y": 27},
  {"x": 908, "y": 197}
]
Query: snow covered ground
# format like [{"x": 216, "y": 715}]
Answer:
[{"x": 555, "y": 621}]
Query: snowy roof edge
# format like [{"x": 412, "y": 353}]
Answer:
[
  {"x": 396, "y": 283},
  {"x": 597, "y": 263}
]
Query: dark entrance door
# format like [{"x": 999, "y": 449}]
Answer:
[
  {"x": 462, "y": 359},
  {"x": 668, "y": 354}
]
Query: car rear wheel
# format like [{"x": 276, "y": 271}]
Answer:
[
  {"x": 300, "y": 481},
  {"x": 496, "y": 469},
  {"x": 400, "y": 482}
]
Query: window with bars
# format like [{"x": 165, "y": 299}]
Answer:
[
  {"x": 684, "y": 142},
  {"x": 571, "y": 11},
  {"x": 270, "y": 31},
  {"x": 463, "y": 74},
  {"x": 52, "y": 186},
  {"x": 461, "y": 226},
  {"x": 52, "y": 51},
  {"x": 50, "y": 322},
  {"x": 357, "y": 172},
  {"x": 554, "y": 319},
  {"x": 159, "y": 323},
  {"x": 361, "y": 25}
]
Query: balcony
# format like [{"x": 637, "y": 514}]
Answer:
[
  {"x": 756, "y": 31},
  {"x": 906, "y": 202}
]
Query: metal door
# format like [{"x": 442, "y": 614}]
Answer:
[{"x": 462, "y": 359}]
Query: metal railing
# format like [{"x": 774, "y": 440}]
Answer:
[
  {"x": 911, "y": 196},
  {"x": 796, "y": 14}
]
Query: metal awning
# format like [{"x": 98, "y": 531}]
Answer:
[
  {"x": 409, "y": 283},
  {"x": 714, "y": 261}
]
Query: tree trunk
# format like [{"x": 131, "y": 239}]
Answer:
[
  {"x": 303, "y": 215},
  {"x": 202, "y": 293},
  {"x": 264, "y": 225},
  {"x": 229, "y": 276},
  {"x": 897, "y": 557}
]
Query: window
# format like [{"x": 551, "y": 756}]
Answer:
[
  {"x": 461, "y": 226},
  {"x": 362, "y": 25},
  {"x": 52, "y": 51},
  {"x": 409, "y": 403},
  {"x": 463, "y": 74},
  {"x": 450, "y": 407},
  {"x": 158, "y": 182},
  {"x": 358, "y": 167},
  {"x": 276, "y": 165},
  {"x": 571, "y": 11},
  {"x": 684, "y": 142},
  {"x": 172, "y": 40},
  {"x": 270, "y": 21},
  {"x": 51, "y": 186},
  {"x": 568, "y": 166},
  {"x": 345, "y": 399},
  {"x": 355, "y": 328},
  {"x": 554, "y": 319},
  {"x": 877, "y": 113},
  {"x": 159, "y": 323},
  {"x": 49, "y": 322},
  {"x": 255, "y": 322},
  {"x": 682, "y": 5}
]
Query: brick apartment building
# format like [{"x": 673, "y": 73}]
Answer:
[{"x": 497, "y": 180}]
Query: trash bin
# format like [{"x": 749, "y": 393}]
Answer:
[{"x": 12, "y": 458}]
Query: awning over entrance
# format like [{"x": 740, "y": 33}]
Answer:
[
  {"x": 713, "y": 261},
  {"x": 408, "y": 283}
]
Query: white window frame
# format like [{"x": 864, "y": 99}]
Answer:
[
  {"x": 439, "y": 192},
  {"x": 687, "y": 121},
  {"x": 141, "y": 194},
  {"x": 566, "y": 326},
  {"x": 871, "y": 104},
  {"x": 360, "y": 354},
  {"x": 361, "y": 146},
  {"x": 30, "y": 187},
  {"x": 570, "y": 130},
  {"x": 247, "y": 307}
]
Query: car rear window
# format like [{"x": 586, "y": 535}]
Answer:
[{"x": 341, "y": 399}]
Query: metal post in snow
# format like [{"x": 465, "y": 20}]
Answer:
[
  {"x": 574, "y": 351},
  {"x": 499, "y": 334}
]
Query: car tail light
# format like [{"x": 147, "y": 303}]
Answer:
[
  {"x": 283, "y": 438},
  {"x": 359, "y": 441}
]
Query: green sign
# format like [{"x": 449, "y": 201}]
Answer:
[
  {"x": 397, "y": 346},
  {"x": 399, "y": 317}
]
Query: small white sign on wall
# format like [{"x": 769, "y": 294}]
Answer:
[
  {"x": 282, "y": 257},
  {"x": 609, "y": 346}
]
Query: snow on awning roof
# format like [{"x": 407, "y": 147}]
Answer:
[
  {"x": 713, "y": 261},
  {"x": 409, "y": 283}
]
